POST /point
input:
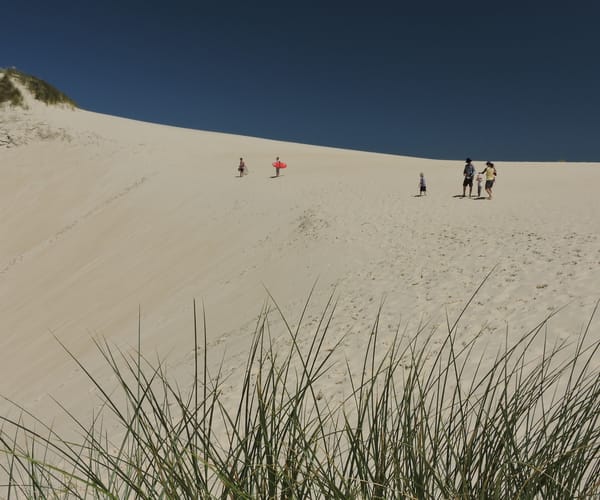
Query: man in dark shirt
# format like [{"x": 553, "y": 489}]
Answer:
[{"x": 468, "y": 173}]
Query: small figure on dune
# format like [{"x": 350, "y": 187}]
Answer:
[
  {"x": 479, "y": 178},
  {"x": 242, "y": 169},
  {"x": 278, "y": 166},
  {"x": 490, "y": 177},
  {"x": 422, "y": 185},
  {"x": 468, "y": 173}
]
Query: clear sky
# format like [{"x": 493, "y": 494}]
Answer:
[{"x": 438, "y": 79}]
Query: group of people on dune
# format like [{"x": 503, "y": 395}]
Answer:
[
  {"x": 277, "y": 164},
  {"x": 470, "y": 174}
]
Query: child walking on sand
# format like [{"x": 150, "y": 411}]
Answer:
[
  {"x": 422, "y": 185},
  {"x": 479, "y": 179}
]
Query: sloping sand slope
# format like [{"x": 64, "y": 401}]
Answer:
[{"x": 102, "y": 216}]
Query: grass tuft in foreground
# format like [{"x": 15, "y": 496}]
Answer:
[{"x": 420, "y": 421}]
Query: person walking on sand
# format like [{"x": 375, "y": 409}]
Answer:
[
  {"x": 490, "y": 177},
  {"x": 278, "y": 165},
  {"x": 422, "y": 185},
  {"x": 242, "y": 168},
  {"x": 468, "y": 174},
  {"x": 479, "y": 179}
]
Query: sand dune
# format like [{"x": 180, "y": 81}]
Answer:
[{"x": 103, "y": 216}]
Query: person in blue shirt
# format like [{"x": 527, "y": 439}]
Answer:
[{"x": 468, "y": 174}]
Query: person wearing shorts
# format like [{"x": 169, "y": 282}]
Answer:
[
  {"x": 468, "y": 173},
  {"x": 242, "y": 167},
  {"x": 490, "y": 177},
  {"x": 422, "y": 185}
]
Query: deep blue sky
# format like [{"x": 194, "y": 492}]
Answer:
[{"x": 438, "y": 79}]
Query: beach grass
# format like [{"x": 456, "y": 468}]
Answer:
[
  {"x": 417, "y": 421},
  {"x": 9, "y": 93},
  {"x": 40, "y": 89}
]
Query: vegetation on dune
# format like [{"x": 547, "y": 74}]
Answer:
[
  {"x": 40, "y": 90},
  {"x": 414, "y": 425},
  {"x": 9, "y": 93}
]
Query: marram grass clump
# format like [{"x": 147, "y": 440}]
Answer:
[
  {"x": 39, "y": 89},
  {"x": 9, "y": 93},
  {"x": 413, "y": 426}
]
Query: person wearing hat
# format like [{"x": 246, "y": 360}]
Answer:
[
  {"x": 468, "y": 173},
  {"x": 490, "y": 177}
]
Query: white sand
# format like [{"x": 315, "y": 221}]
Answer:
[{"x": 101, "y": 215}]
